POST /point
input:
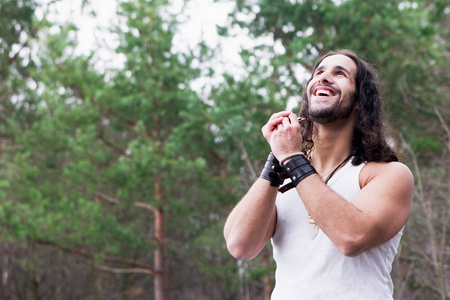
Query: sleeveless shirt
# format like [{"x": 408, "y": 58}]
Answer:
[{"x": 313, "y": 268}]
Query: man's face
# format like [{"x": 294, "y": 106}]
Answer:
[{"x": 331, "y": 90}]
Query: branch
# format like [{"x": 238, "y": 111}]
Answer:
[
  {"x": 145, "y": 206},
  {"x": 247, "y": 160},
  {"x": 113, "y": 200},
  {"x": 107, "y": 198},
  {"x": 130, "y": 125},
  {"x": 279, "y": 34},
  {"x": 140, "y": 266},
  {"x": 405, "y": 281},
  {"x": 222, "y": 163},
  {"x": 124, "y": 271},
  {"x": 425, "y": 203},
  {"x": 14, "y": 57},
  {"x": 24, "y": 44},
  {"x": 110, "y": 145},
  {"x": 436, "y": 111}
]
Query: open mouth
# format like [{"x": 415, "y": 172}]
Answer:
[{"x": 324, "y": 92}]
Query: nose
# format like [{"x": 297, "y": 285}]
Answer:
[{"x": 324, "y": 77}]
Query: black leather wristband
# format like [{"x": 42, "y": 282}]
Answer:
[
  {"x": 271, "y": 171},
  {"x": 297, "y": 169}
]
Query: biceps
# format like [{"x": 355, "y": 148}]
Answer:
[{"x": 385, "y": 206}]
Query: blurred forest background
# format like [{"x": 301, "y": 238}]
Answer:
[{"x": 115, "y": 182}]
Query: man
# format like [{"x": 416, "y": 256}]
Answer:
[{"x": 336, "y": 226}]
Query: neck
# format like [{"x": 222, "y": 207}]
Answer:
[{"x": 332, "y": 144}]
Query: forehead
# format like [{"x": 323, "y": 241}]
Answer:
[{"x": 338, "y": 61}]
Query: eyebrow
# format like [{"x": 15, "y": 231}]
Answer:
[{"x": 341, "y": 68}]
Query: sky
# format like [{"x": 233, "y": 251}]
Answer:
[{"x": 198, "y": 22}]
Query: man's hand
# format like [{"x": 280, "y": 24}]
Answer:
[{"x": 283, "y": 134}]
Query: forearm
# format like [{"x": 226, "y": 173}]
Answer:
[
  {"x": 251, "y": 223},
  {"x": 372, "y": 217},
  {"x": 340, "y": 220}
]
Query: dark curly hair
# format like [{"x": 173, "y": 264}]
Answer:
[{"x": 369, "y": 141}]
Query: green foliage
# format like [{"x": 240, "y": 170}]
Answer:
[
  {"x": 407, "y": 41},
  {"x": 424, "y": 143},
  {"x": 87, "y": 158},
  {"x": 96, "y": 153},
  {"x": 403, "y": 39}
]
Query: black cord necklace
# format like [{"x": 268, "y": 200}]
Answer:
[{"x": 335, "y": 169}]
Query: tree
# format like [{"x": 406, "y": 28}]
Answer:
[
  {"x": 408, "y": 43},
  {"x": 119, "y": 172},
  {"x": 17, "y": 29},
  {"x": 118, "y": 182}
]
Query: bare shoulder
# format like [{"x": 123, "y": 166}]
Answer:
[
  {"x": 385, "y": 200},
  {"x": 394, "y": 173},
  {"x": 387, "y": 191}
]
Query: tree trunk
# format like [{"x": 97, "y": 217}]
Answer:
[{"x": 158, "y": 282}]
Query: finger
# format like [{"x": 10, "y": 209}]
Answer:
[
  {"x": 271, "y": 125},
  {"x": 281, "y": 114},
  {"x": 293, "y": 119},
  {"x": 275, "y": 121},
  {"x": 286, "y": 121}
]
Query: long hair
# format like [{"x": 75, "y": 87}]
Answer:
[{"x": 369, "y": 141}]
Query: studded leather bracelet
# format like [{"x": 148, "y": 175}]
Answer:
[
  {"x": 272, "y": 170},
  {"x": 298, "y": 168}
]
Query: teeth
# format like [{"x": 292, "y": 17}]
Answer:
[{"x": 323, "y": 92}]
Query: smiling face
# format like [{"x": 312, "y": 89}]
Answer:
[{"x": 331, "y": 90}]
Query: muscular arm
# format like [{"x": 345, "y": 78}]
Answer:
[
  {"x": 252, "y": 222},
  {"x": 375, "y": 215}
]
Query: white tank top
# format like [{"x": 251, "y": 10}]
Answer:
[{"x": 314, "y": 269}]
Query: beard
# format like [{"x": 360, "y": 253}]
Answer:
[{"x": 340, "y": 110}]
